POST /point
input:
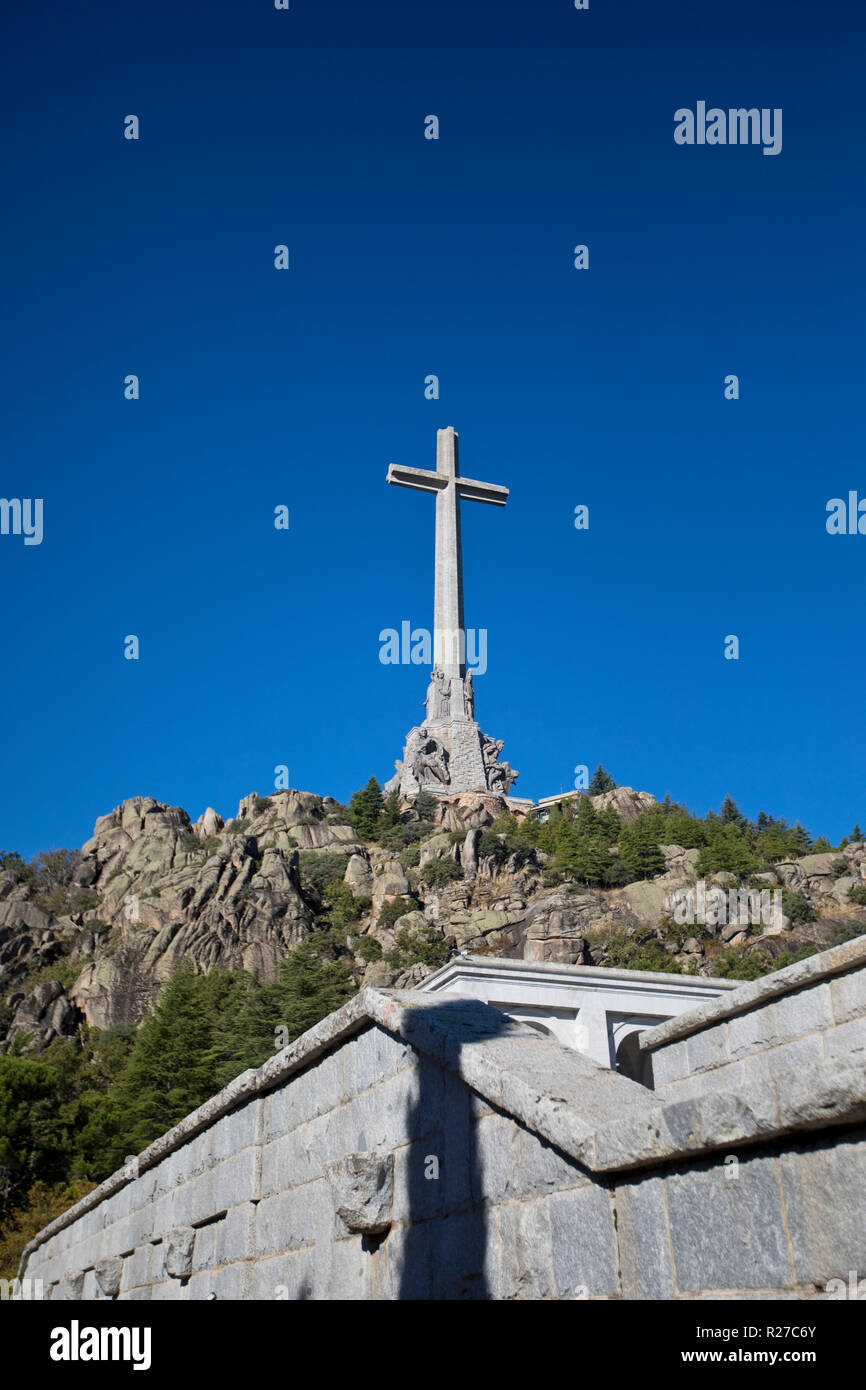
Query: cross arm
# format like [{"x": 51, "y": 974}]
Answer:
[
  {"x": 474, "y": 491},
  {"x": 420, "y": 478}
]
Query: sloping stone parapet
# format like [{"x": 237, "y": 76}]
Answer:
[{"x": 491, "y": 1161}]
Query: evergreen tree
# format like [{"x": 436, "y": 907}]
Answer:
[
  {"x": 365, "y": 808},
  {"x": 392, "y": 813},
  {"x": 601, "y": 782},
  {"x": 730, "y": 812},
  {"x": 311, "y": 984},
  {"x": 425, "y": 805},
  {"x": 856, "y": 834},
  {"x": 639, "y": 850}
]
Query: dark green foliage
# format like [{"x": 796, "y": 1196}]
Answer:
[
  {"x": 365, "y": 809},
  {"x": 727, "y": 848},
  {"x": 729, "y": 813},
  {"x": 318, "y": 868},
  {"x": 369, "y": 949},
  {"x": 426, "y": 946},
  {"x": 35, "y": 1142},
  {"x": 260, "y": 805},
  {"x": 630, "y": 953},
  {"x": 425, "y": 805},
  {"x": 856, "y": 835},
  {"x": 11, "y": 861},
  {"x": 639, "y": 849},
  {"x": 437, "y": 872},
  {"x": 410, "y": 857},
  {"x": 405, "y": 833},
  {"x": 340, "y": 905},
  {"x": 394, "y": 910},
  {"x": 601, "y": 782},
  {"x": 797, "y": 906},
  {"x": 313, "y": 981},
  {"x": 840, "y": 867},
  {"x": 857, "y": 894}
]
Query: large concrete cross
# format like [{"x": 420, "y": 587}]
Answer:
[{"x": 449, "y": 643}]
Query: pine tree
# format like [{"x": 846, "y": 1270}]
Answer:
[
  {"x": 639, "y": 850},
  {"x": 856, "y": 834},
  {"x": 601, "y": 782},
  {"x": 311, "y": 984},
  {"x": 425, "y": 805},
  {"x": 365, "y": 808}
]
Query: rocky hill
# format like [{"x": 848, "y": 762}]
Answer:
[{"x": 150, "y": 889}]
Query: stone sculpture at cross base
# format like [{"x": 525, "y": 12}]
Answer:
[{"x": 448, "y": 752}]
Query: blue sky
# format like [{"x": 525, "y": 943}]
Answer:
[{"x": 410, "y": 257}]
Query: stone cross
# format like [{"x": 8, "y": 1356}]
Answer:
[{"x": 449, "y": 643}]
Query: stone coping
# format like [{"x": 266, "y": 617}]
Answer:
[
  {"x": 604, "y": 1121},
  {"x": 614, "y": 976},
  {"x": 754, "y": 993}
]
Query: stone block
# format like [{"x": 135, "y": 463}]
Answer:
[
  {"x": 526, "y": 1255},
  {"x": 290, "y": 1105},
  {"x": 108, "y": 1276},
  {"x": 421, "y": 1181},
  {"x": 290, "y": 1220},
  {"x": 493, "y": 1155},
  {"x": 234, "y": 1236},
  {"x": 348, "y": 1269},
  {"x": 751, "y": 1032},
  {"x": 232, "y": 1133},
  {"x": 848, "y": 996},
  {"x": 542, "y": 1168},
  {"x": 362, "y": 1187},
  {"x": 708, "y": 1049},
  {"x": 807, "y": 1011},
  {"x": 460, "y": 1252},
  {"x": 644, "y": 1244},
  {"x": 285, "y": 1278},
  {"x": 177, "y": 1252},
  {"x": 823, "y": 1188},
  {"x": 234, "y": 1181},
  {"x": 375, "y": 1057},
  {"x": 848, "y": 1040},
  {"x": 670, "y": 1063},
  {"x": 584, "y": 1243},
  {"x": 728, "y": 1234},
  {"x": 142, "y": 1267},
  {"x": 294, "y": 1158}
]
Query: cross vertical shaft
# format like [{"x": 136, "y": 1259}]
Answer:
[{"x": 449, "y": 645}]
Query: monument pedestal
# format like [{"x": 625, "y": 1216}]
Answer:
[{"x": 451, "y": 756}]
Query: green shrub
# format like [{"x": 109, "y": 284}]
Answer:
[
  {"x": 437, "y": 872},
  {"x": 319, "y": 868},
  {"x": 797, "y": 906},
  {"x": 857, "y": 894},
  {"x": 627, "y": 952},
  {"x": 392, "y": 911},
  {"x": 426, "y": 946},
  {"x": 369, "y": 949},
  {"x": 410, "y": 857},
  {"x": 840, "y": 867}
]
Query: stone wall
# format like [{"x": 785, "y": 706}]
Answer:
[{"x": 417, "y": 1146}]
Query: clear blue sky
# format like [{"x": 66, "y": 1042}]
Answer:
[{"x": 409, "y": 257}]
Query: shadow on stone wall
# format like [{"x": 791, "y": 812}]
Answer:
[{"x": 445, "y": 1252}]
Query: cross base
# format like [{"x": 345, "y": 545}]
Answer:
[{"x": 452, "y": 756}]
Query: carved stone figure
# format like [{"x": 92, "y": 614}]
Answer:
[
  {"x": 430, "y": 761},
  {"x": 469, "y": 696}
]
